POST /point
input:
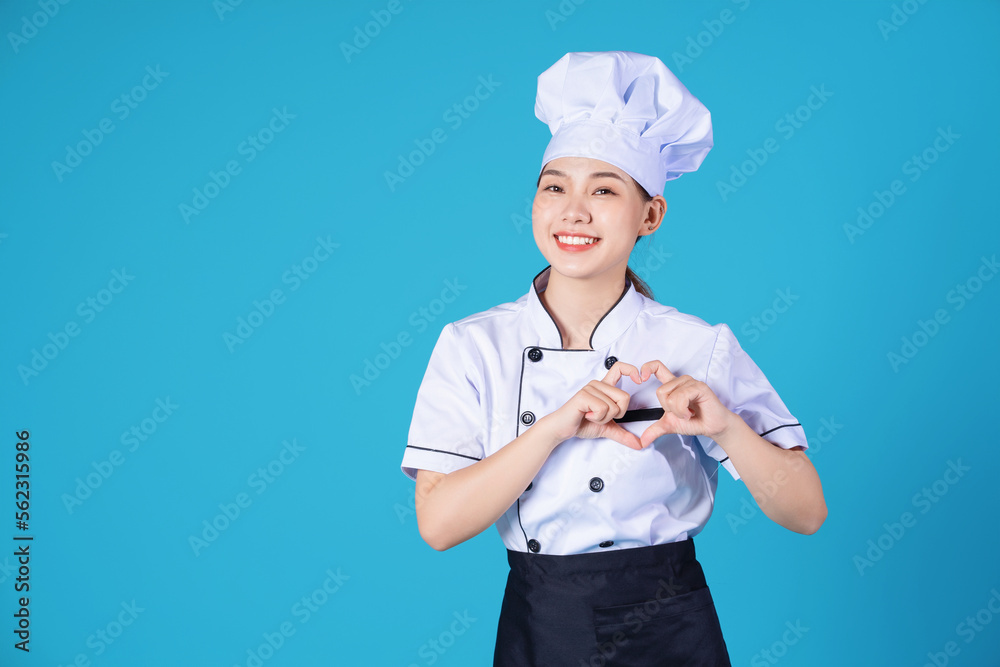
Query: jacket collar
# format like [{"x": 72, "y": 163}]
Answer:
[{"x": 608, "y": 329}]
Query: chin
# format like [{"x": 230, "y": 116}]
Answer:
[{"x": 576, "y": 271}]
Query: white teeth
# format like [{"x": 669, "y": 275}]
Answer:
[{"x": 576, "y": 240}]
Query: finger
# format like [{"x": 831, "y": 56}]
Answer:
[
  {"x": 600, "y": 406},
  {"x": 688, "y": 394},
  {"x": 652, "y": 432},
  {"x": 619, "y": 369},
  {"x": 677, "y": 395},
  {"x": 620, "y": 435},
  {"x": 620, "y": 397},
  {"x": 672, "y": 385},
  {"x": 656, "y": 368},
  {"x": 678, "y": 401}
]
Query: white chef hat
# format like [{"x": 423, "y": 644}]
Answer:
[{"x": 626, "y": 109}]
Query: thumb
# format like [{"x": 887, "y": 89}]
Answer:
[
  {"x": 652, "y": 432},
  {"x": 615, "y": 432}
]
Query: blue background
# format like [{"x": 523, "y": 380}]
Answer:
[{"x": 340, "y": 503}]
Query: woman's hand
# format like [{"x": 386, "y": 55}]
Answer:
[
  {"x": 591, "y": 411},
  {"x": 689, "y": 406}
]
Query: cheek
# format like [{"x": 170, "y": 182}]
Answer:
[
  {"x": 540, "y": 236},
  {"x": 537, "y": 208},
  {"x": 537, "y": 218},
  {"x": 540, "y": 229}
]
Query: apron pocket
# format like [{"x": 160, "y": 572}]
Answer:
[{"x": 679, "y": 630}]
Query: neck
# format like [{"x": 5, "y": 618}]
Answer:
[{"x": 577, "y": 305}]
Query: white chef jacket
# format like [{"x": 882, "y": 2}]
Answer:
[{"x": 493, "y": 374}]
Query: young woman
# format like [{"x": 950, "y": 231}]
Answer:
[{"x": 588, "y": 421}]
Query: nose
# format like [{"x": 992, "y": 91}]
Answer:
[{"x": 576, "y": 207}]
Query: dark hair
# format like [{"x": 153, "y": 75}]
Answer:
[{"x": 640, "y": 285}]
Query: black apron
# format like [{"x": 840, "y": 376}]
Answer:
[{"x": 637, "y": 607}]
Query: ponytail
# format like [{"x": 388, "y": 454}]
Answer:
[{"x": 640, "y": 285}]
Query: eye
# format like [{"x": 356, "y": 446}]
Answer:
[
  {"x": 552, "y": 188},
  {"x": 604, "y": 190}
]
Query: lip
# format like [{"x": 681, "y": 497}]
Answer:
[{"x": 576, "y": 248}]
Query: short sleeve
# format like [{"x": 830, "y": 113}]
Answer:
[
  {"x": 447, "y": 428},
  {"x": 741, "y": 386}
]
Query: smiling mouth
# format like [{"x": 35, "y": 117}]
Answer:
[{"x": 576, "y": 242}]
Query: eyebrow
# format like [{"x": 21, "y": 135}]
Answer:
[{"x": 596, "y": 174}]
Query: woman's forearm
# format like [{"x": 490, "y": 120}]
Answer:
[
  {"x": 784, "y": 482},
  {"x": 455, "y": 507}
]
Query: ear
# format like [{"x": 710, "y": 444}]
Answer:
[{"x": 655, "y": 210}]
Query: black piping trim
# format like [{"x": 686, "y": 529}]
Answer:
[
  {"x": 652, "y": 414},
  {"x": 517, "y": 421},
  {"x": 624, "y": 292},
  {"x": 538, "y": 296},
  {"x": 441, "y": 451},
  {"x": 590, "y": 341},
  {"x": 519, "y": 523},
  {"x": 777, "y": 427},
  {"x": 641, "y": 415},
  {"x": 520, "y": 384},
  {"x": 721, "y": 461}
]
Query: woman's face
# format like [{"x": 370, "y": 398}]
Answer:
[{"x": 587, "y": 215}]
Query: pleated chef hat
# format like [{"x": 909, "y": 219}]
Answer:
[{"x": 626, "y": 109}]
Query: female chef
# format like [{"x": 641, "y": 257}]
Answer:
[{"x": 586, "y": 420}]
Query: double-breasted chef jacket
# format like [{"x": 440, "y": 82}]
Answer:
[{"x": 493, "y": 374}]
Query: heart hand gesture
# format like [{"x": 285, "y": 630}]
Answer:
[
  {"x": 591, "y": 412},
  {"x": 690, "y": 407}
]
